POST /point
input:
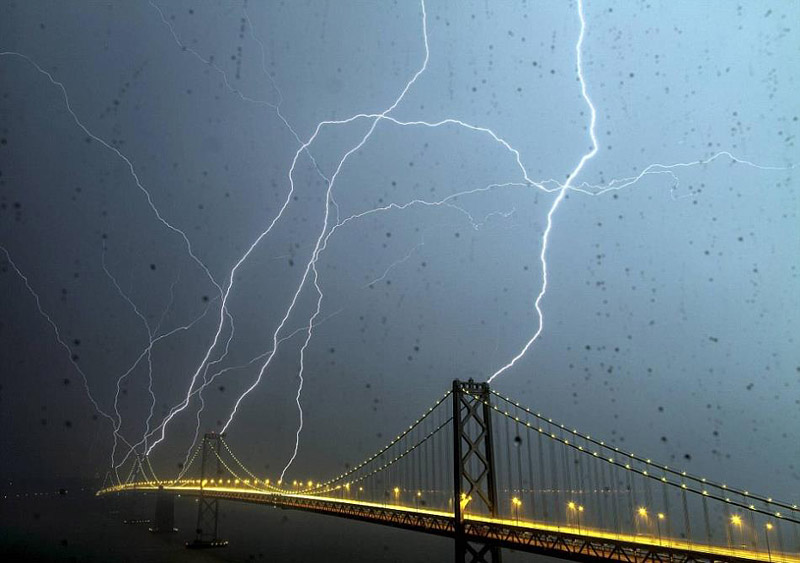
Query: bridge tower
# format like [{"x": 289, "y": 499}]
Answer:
[
  {"x": 474, "y": 484},
  {"x": 138, "y": 474},
  {"x": 208, "y": 508}
]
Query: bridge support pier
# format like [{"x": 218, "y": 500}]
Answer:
[
  {"x": 474, "y": 483},
  {"x": 164, "y": 521},
  {"x": 208, "y": 508}
]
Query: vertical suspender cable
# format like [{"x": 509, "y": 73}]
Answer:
[
  {"x": 705, "y": 518},
  {"x": 665, "y": 492},
  {"x": 631, "y": 497},
  {"x": 510, "y": 484},
  {"x": 615, "y": 491},
  {"x": 531, "y": 484},
  {"x": 554, "y": 476},
  {"x": 544, "y": 484},
  {"x": 518, "y": 447},
  {"x": 686, "y": 520}
]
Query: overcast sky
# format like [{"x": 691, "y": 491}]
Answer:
[{"x": 671, "y": 316}]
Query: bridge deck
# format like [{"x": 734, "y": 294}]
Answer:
[{"x": 571, "y": 542}]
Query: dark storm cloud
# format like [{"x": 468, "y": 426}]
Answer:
[{"x": 671, "y": 317}]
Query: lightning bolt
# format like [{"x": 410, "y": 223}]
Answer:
[
  {"x": 668, "y": 169},
  {"x": 560, "y": 197},
  {"x": 122, "y": 157},
  {"x": 229, "y": 286},
  {"x": 244, "y": 366},
  {"x": 148, "y": 354},
  {"x": 475, "y": 225},
  {"x": 311, "y": 265},
  {"x": 139, "y": 185},
  {"x": 153, "y": 339},
  {"x": 60, "y": 340},
  {"x": 320, "y": 248},
  {"x": 161, "y": 219},
  {"x": 394, "y": 264},
  {"x": 161, "y": 429},
  {"x": 145, "y": 353},
  {"x": 200, "y": 378}
]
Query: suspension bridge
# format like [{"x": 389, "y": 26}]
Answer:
[{"x": 492, "y": 474}]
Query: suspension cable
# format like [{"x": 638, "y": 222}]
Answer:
[
  {"x": 645, "y": 473},
  {"x": 392, "y": 443},
  {"x": 325, "y": 487},
  {"x": 649, "y": 463}
]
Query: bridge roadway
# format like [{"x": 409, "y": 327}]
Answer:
[{"x": 565, "y": 542}]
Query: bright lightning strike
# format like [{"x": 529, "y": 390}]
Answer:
[
  {"x": 144, "y": 354},
  {"x": 311, "y": 265},
  {"x": 149, "y": 356},
  {"x": 667, "y": 169},
  {"x": 200, "y": 378},
  {"x": 394, "y": 264},
  {"x": 561, "y": 194},
  {"x": 139, "y": 185},
  {"x": 153, "y": 338},
  {"x": 560, "y": 197},
  {"x": 124, "y": 158},
  {"x": 60, "y": 340}
]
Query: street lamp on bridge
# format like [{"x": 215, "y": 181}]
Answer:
[
  {"x": 641, "y": 512},
  {"x": 736, "y": 521},
  {"x": 516, "y": 503},
  {"x": 767, "y": 527},
  {"x": 577, "y": 509}
]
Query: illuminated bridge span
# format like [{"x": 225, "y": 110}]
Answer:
[{"x": 492, "y": 474}]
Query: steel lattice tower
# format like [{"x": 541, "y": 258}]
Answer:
[
  {"x": 473, "y": 467},
  {"x": 207, "y": 530}
]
